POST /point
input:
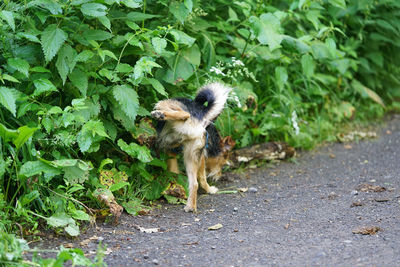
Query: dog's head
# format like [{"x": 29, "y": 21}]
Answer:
[{"x": 214, "y": 164}]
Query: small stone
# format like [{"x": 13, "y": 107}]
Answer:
[
  {"x": 253, "y": 190},
  {"x": 235, "y": 209},
  {"x": 155, "y": 262},
  {"x": 354, "y": 192},
  {"x": 213, "y": 247},
  {"x": 145, "y": 257}
]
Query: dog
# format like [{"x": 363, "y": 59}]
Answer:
[{"x": 188, "y": 125}]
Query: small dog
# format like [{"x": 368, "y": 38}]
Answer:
[{"x": 188, "y": 124}]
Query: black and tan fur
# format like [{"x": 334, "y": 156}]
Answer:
[{"x": 188, "y": 124}]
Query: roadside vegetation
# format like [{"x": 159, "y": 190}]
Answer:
[{"x": 79, "y": 77}]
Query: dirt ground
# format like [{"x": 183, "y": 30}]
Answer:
[{"x": 337, "y": 205}]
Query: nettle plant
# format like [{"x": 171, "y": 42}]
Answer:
[{"x": 76, "y": 76}]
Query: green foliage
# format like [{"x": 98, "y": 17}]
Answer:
[
  {"x": 13, "y": 248},
  {"x": 78, "y": 79}
]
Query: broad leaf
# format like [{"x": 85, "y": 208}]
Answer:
[
  {"x": 94, "y": 10},
  {"x": 157, "y": 86},
  {"x": 24, "y": 133},
  {"x": 80, "y": 80},
  {"x": 8, "y": 99},
  {"x": 8, "y": 16},
  {"x": 159, "y": 44},
  {"x": 308, "y": 65},
  {"x": 20, "y": 65},
  {"x": 179, "y": 10},
  {"x": 43, "y": 86},
  {"x": 32, "y": 168},
  {"x": 127, "y": 99},
  {"x": 142, "y": 153},
  {"x": 366, "y": 92},
  {"x": 52, "y": 40},
  {"x": 137, "y": 16},
  {"x": 267, "y": 29}
]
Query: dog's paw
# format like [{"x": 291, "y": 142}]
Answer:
[
  {"x": 212, "y": 190},
  {"x": 189, "y": 208},
  {"x": 158, "y": 115}
]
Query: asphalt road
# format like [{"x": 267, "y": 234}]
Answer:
[{"x": 301, "y": 213}]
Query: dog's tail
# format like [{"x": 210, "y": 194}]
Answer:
[{"x": 215, "y": 94}]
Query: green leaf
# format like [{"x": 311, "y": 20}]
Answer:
[
  {"x": 80, "y": 80},
  {"x": 94, "y": 10},
  {"x": 142, "y": 153},
  {"x": 66, "y": 61},
  {"x": 52, "y": 40},
  {"x": 7, "y": 134},
  {"x": 85, "y": 140},
  {"x": 84, "y": 56},
  {"x": 75, "y": 175},
  {"x": 281, "y": 77},
  {"x": 24, "y": 133},
  {"x": 96, "y": 35},
  {"x": 366, "y": 92},
  {"x": 159, "y": 44},
  {"x": 105, "y": 21},
  {"x": 157, "y": 86},
  {"x": 60, "y": 220},
  {"x": 19, "y": 64},
  {"x": 133, "y": 206},
  {"x": 80, "y": 215},
  {"x": 9, "y": 78},
  {"x": 267, "y": 29},
  {"x": 137, "y": 16},
  {"x": 43, "y": 86},
  {"x": 8, "y": 99},
  {"x": 232, "y": 15},
  {"x": 132, "y": 3},
  {"x": 308, "y": 65},
  {"x": 118, "y": 186},
  {"x": 8, "y": 16},
  {"x": 183, "y": 65},
  {"x": 313, "y": 17},
  {"x": 51, "y": 5},
  {"x": 128, "y": 99},
  {"x": 179, "y": 10},
  {"x": 32, "y": 168},
  {"x": 72, "y": 230},
  {"x": 338, "y": 3},
  {"x": 182, "y": 38},
  {"x": 124, "y": 68},
  {"x": 144, "y": 65}
]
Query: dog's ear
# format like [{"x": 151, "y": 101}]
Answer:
[{"x": 227, "y": 143}]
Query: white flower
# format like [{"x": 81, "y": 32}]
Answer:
[
  {"x": 275, "y": 115},
  {"x": 217, "y": 71},
  {"x": 237, "y": 62},
  {"x": 294, "y": 123}
]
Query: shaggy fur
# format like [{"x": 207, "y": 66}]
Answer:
[{"x": 187, "y": 124}]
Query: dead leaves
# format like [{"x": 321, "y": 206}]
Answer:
[
  {"x": 215, "y": 227},
  {"x": 367, "y": 230},
  {"x": 370, "y": 188}
]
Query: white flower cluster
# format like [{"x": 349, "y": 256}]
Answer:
[
  {"x": 234, "y": 70},
  {"x": 237, "y": 62},
  {"x": 294, "y": 123},
  {"x": 217, "y": 71},
  {"x": 236, "y": 99}
]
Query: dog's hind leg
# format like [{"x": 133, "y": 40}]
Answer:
[
  {"x": 172, "y": 163},
  {"x": 201, "y": 174},
  {"x": 191, "y": 159}
]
